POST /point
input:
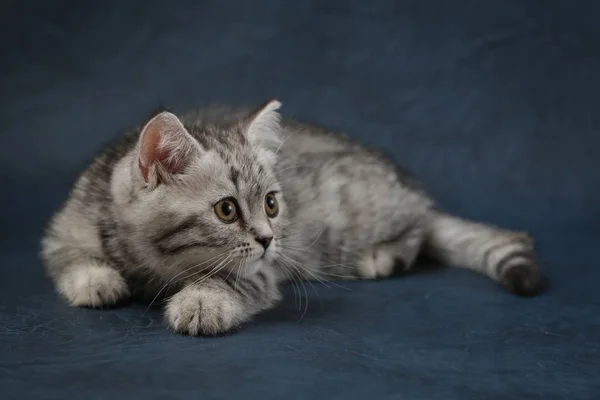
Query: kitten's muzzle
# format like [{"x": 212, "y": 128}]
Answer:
[{"x": 264, "y": 241}]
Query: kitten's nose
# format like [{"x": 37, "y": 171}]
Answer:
[{"x": 265, "y": 241}]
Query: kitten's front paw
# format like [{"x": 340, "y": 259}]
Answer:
[
  {"x": 203, "y": 311},
  {"x": 94, "y": 286}
]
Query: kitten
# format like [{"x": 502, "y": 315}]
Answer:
[{"x": 212, "y": 211}]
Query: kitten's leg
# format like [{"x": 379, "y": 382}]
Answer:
[
  {"x": 92, "y": 284},
  {"x": 218, "y": 305},
  {"x": 380, "y": 260},
  {"x": 506, "y": 256},
  {"x": 81, "y": 278}
]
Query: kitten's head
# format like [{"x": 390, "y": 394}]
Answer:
[{"x": 202, "y": 198}]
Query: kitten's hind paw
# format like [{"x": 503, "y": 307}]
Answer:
[
  {"x": 524, "y": 280},
  {"x": 95, "y": 286}
]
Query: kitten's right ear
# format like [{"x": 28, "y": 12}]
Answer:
[
  {"x": 263, "y": 126},
  {"x": 165, "y": 148}
]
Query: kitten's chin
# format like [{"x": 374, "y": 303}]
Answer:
[{"x": 251, "y": 268}]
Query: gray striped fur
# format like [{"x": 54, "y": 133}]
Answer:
[{"x": 140, "y": 221}]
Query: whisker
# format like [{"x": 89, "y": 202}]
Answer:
[
  {"x": 283, "y": 140},
  {"x": 237, "y": 275},
  {"x": 222, "y": 264},
  {"x": 299, "y": 267},
  {"x": 205, "y": 268},
  {"x": 293, "y": 281},
  {"x": 307, "y": 270},
  {"x": 313, "y": 287},
  {"x": 305, "y": 300},
  {"x": 354, "y": 254},
  {"x": 299, "y": 281},
  {"x": 179, "y": 273},
  {"x": 229, "y": 273}
]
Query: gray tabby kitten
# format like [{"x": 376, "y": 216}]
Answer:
[{"x": 212, "y": 211}]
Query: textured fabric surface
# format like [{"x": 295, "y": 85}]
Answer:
[{"x": 494, "y": 104}]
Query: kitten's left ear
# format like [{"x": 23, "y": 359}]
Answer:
[
  {"x": 165, "y": 149},
  {"x": 264, "y": 127}
]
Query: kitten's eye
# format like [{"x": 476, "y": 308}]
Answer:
[
  {"x": 271, "y": 205},
  {"x": 226, "y": 210}
]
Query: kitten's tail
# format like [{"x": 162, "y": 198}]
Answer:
[{"x": 505, "y": 256}]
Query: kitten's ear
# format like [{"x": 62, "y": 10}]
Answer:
[
  {"x": 165, "y": 148},
  {"x": 264, "y": 126}
]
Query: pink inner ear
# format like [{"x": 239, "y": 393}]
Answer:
[{"x": 152, "y": 151}]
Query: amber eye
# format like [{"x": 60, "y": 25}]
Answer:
[
  {"x": 271, "y": 205},
  {"x": 226, "y": 210}
]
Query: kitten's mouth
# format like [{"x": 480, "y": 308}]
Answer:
[{"x": 266, "y": 254}]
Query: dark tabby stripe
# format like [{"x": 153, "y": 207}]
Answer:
[
  {"x": 168, "y": 244},
  {"x": 263, "y": 279},
  {"x": 246, "y": 288},
  {"x": 115, "y": 248},
  {"x": 488, "y": 253},
  {"x": 186, "y": 224},
  {"x": 106, "y": 231},
  {"x": 505, "y": 261},
  {"x": 230, "y": 284},
  {"x": 234, "y": 174},
  {"x": 252, "y": 287},
  {"x": 173, "y": 249},
  {"x": 242, "y": 288},
  {"x": 220, "y": 316}
]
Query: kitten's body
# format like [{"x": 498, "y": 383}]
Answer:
[{"x": 141, "y": 219}]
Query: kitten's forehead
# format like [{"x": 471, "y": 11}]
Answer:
[
  {"x": 245, "y": 167},
  {"x": 249, "y": 173},
  {"x": 247, "y": 170},
  {"x": 224, "y": 140}
]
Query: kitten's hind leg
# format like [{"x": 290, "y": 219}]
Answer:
[
  {"x": 380, "y": 260},
  {"x": 92, "y": 284},
  {"x": 75, "y": 262}
]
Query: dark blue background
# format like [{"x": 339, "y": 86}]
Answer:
[{"x": 494, "y": 104}]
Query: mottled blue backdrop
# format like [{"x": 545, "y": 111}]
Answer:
[{"x": 494, "y": 104}]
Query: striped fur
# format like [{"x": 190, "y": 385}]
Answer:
[
  {"x": 142, "y": 222},
  {"x": 504, "y": 256}
]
